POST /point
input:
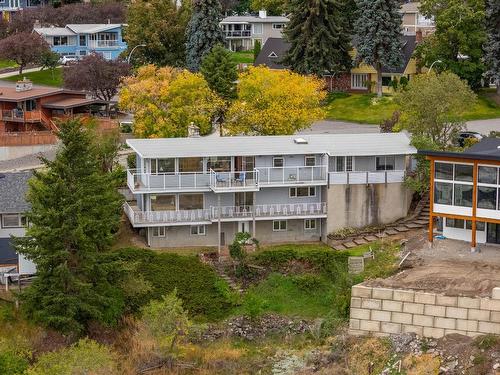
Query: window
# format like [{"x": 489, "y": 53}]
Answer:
[
  {"x": 60, "y": 41},
  {"x": 257, "y": 28},
  {"x": 198, "y": 230},
  {"x": 455, "y": 223},
  {"x": 443, "y": 193},
  {"x": 30, "y": 105},
  {"x": 463, "y": 195},
  {"x": 463, "y": 172},
  {"x": 348, "y": 163},
  {"x": 359, "y": 81},
  {"x": 190, "y": 165},
  {"x": 83, "y": 40},
  {"x": 163, "y": 165},
  {"x": 159, "y": 232},
  {"x": 278, "y": 162},
  {"x": 13, "y": 221},
  {"x": 190, "y": 201},
  {"x": 299, "y": 192},
  {"x": 163, "y": 203},
  {"x": 480, "y": 226},
  {"x": 219, "y": 163},
  {"x": 487, "y": 197},
  {"x": 278, "y": 26},
  {"x": 279, "y": 225},
  {"x": 487, "y": 175},
  {"x": 310, "y": 160},
  {"x": 83, "y": 53},
  {"x": 343, "y": 164},
  {"x": 310, "y": 224},
  {"x": 386, "y": 81},
  {"x": 443, "y": 171},
  {"x": 385, "y": 163}
]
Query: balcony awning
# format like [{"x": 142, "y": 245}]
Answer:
[{"x": 67, "y": 103}]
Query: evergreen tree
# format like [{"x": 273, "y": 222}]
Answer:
[
  {"x": 319, "y": 37},
  {"x": 75, "y": 212},
  {"x": 203, "y": 31},
  {"x": 220, "y": 72},
  {"x": 492, "y": 47},
  {"x": 379, "y": 35}
]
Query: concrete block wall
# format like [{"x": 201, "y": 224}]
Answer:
[{"x": 385, "y": 311}]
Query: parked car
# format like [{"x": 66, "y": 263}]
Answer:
[
  {"x": 65, "y": 60},
  {"x": 462, "y": 136}
]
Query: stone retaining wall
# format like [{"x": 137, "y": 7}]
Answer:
[{"x": 384, "y": 311}]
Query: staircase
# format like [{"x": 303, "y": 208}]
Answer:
[
  {"x": 417, "y": 220},
  {"x": 219, "y": 268},
  {"x": 49, "y": 122}
]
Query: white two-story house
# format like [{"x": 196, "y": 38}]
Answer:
[
  {"x": 241, "y": 32},
  {"x": 202, "y": 191}
]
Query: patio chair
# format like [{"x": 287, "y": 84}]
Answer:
[{"x": 241, "y": 178}]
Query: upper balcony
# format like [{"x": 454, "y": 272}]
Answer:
[
  {"x": 238, "y": 34},
  {"x": 377, "y": 177},
  {"x": 225, "y": 182},
  {"x": 17, "y": 115},
  {"x": 96, "y": 44}
]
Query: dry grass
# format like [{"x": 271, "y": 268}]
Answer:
[
  {"x": 373, "y": 352},
  {"x": 425, "y": 364}
]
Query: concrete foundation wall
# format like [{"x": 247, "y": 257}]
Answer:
[
  {"x": 14, "y": 152},
  {"x": 362, "y": 205},
  {"x": 180, "y": 236},
  {"x": 385, "y": 311}
]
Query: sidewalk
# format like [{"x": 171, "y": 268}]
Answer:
[{"x": 15, "y": 73}]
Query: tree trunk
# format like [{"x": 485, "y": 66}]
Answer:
[
  {"x": 498, "y": 87},
  {"x": 21, "y": 67},
  {"x": 379, "y": 80}
]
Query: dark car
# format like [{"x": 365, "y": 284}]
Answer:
[{"x": 462, "y": 136}]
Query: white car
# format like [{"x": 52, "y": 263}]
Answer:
[{"x": 65, "y": 60}]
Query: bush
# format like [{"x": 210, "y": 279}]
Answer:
[
  {"x": 85, "y": 357},
  {"x": 196, "y": 283},
  {"x": 308, "y": 282},
  {"x": 12, "y": 363}
]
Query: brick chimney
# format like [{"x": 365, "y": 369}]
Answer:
[{"x": 193, "y": 131}]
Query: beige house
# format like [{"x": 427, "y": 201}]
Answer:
[
  {"x": 414, "y": 21},
  {"x": 241, "y": 32}
]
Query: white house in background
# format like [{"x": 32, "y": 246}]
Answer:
[
  {"x": 13, "y": 206},
  {"x": 202, "y": 191},
  {"x": 241, "y": 32}
]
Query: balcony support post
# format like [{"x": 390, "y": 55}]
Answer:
[
  {"x": 254, "y": 234},
  {"x": 218, "y": 227}
]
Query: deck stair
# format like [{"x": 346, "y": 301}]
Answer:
[
  {"x": 418, "y": 219},
  {"x": 220, "y": 268}
]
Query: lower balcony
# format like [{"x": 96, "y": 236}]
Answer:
[
  {"x": 377, "y": 177},
  {"x": 210, "y": 215}
]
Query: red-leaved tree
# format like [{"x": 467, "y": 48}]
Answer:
[
  {"x": 24, "y": 48},
  {"x": 97, "y": 75}
]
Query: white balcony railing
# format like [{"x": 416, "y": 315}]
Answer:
[
  {"x": 267, "y": 211},
  {"x": 293, "y": 175},
  {"x": 144, "y": 182},
  {"x": 379, "y": 177},
  {"x": 103, "y": 43},
  {"x": 234, "y": 181},
  {"x": 238, "y": 34}
]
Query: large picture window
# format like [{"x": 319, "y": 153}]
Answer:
[
  {"x": 386, "y": 163},
  {"x": 163, "y": 165},
  {"x": 163, "y": 203},
  {"x": 306, "y": 191},
  {"x": 487, "y": 175},
  {"x": 190, "y": 201},
  {"x": 187, "y": 165},
  {"x": 219, "y": 164},
  {"x": 443, "y": 193},
  {"x": 358, "y": 81},
  {"x": 443, "y": 171},
  {"x": 463, "y": 195},
  {"x": 13, "y": 221},
  {"x": 487, "y": 197}
]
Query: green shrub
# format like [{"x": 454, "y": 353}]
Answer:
[
  {"x": 197, "y": 284},
  {"x": 12, "y": 363},
  {"x": 308, "y": 281},
  {"x": 254, "y": 306}
]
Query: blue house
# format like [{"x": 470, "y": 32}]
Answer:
[{"x": 83, "y": 39}]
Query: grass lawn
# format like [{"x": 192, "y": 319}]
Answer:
[
  {"x": 363, "y": 108},
  {"x": 243, "y": 57},
  {"x": 42, "y": 77},
  {"x": 7, "y": 64}
]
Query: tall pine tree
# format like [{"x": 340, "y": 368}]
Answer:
[
  {"x": 220, "y": 72},
  {"x": 75, "y": 212},
  {"x": 203, "y": 31},
  {"x": 319, "y": 37},
  {"x": 492, "y": 47},
  {"x": 379, "y": 35}
]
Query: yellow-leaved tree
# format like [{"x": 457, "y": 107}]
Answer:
[
  {"x": 166, "y": 100},
  {"x": 275, "y": 102}
]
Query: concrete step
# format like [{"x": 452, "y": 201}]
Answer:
[
  {"x": 381, "y": 235},
  {"x": 391, "y": 232},
  {"x": 360, "y": 241},
  {"x": 349, "y": 245},
  {"x": 413, "y": 226},
  {"x": 371, "y": 238},
  {"x": 401, "y": 229},
  {"x": 339, "y": 247}
]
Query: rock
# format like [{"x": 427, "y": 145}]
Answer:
[{"x": 496, "y": 366}]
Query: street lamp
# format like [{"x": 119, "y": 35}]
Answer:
[
  {"x": 435, "y": 62},
  {"x": 133, "y": 49}
]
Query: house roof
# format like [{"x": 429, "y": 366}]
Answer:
[
  {"x": 272, "y": 53},
  {"x": 70, "y": 103},
  {"x": 280, "y": 47},
  {"x": 254, "y": 19},
  {"x": 9, "y": 93},
  {"x": 486, "y": 149},
  {"x": 74, "y": 29},
  {"x": 411, "y": 7},
  {"x": 13, "y": 189},
  {"x": 331, "y": 144}
]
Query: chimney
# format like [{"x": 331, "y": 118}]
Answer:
[
  {"x": 262, "y": 13},
  {"x": 193, "y": 131},
  {"x": 418, "y": 36}
]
